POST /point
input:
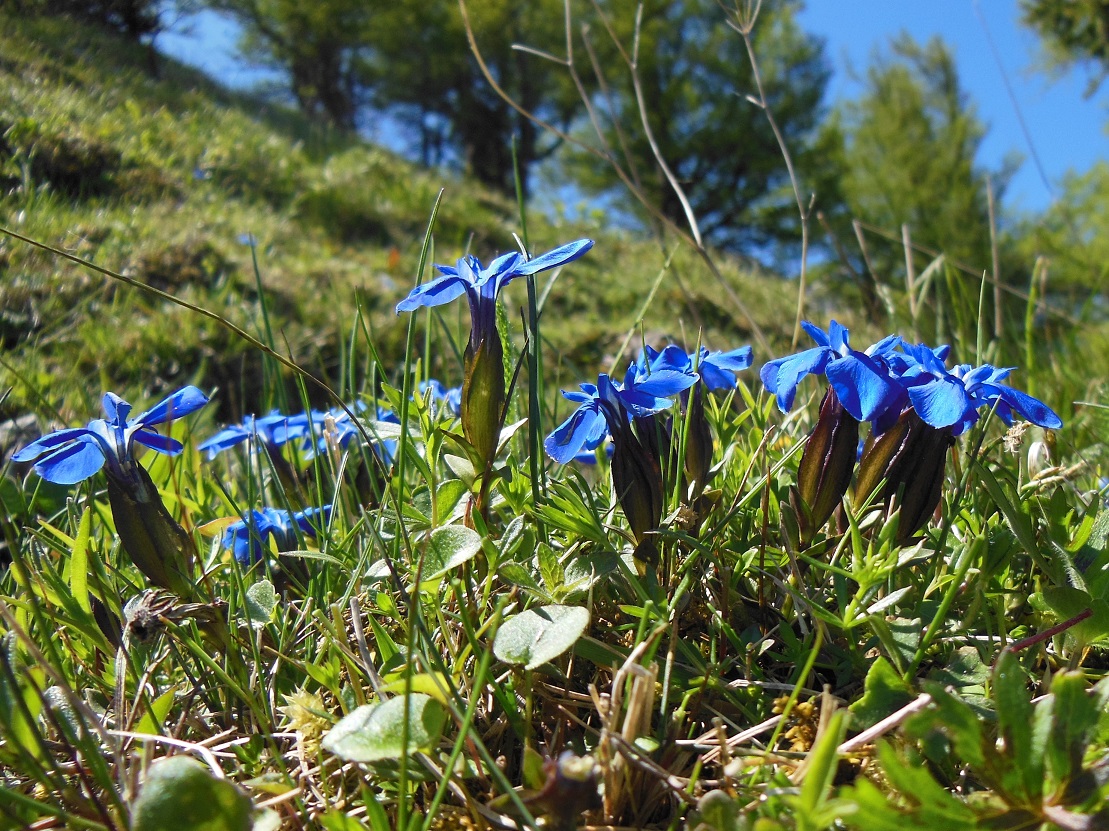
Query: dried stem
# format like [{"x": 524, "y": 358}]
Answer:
[
  {"x": 692, "y": 235},
  {"x": 745, "y": 24}
]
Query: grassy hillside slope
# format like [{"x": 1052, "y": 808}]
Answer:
[{"x": 162, "y": 178}]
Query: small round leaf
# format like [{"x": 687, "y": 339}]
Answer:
[
  {"x": 180, "y": 794},
  {"x": 448, "y": 548},
  {"x": 261, "y": 600},
  {"x": 376, "y": 731},
  {"x": 539, "y": 635}
]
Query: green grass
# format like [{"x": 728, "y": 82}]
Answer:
[
  {"x": 162, "y": 179},
  {"x": 725, "y": 687}
]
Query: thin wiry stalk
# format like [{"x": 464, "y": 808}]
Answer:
[
  {"x": 962, "y": 268},
  {"x": 745, "y": 24},
  {"x": 606, "y": 156}
]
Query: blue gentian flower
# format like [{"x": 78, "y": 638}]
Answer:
[
  {"x": 302, "y": 427},
  {"x": 862, "y": 383},
  {"x": 587, "y": 426},
  {"x": 482, "y": 398},
  {"x": 72, "y": 455},
  {"x": 983, "y": 386},
  {"x": 247, "y": 537},
  {"x": 257, "y": 429},
  {"x": 308, "y": 428},
  {"x": 952, "y": 398},
  {"x": 907, "y": 449},
  {"x": 716, "y": 370},
  {"x": 939, "y": 398},
  {"x": 482, "y": 285},
  {"x": 608, "y": 406}
]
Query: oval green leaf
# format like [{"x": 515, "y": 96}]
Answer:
[
  {"x": 180, "y": 794},
  {"x": 539, "y": 635},
  {"x": 448, "y": 548},
  {"x": 374, "y": 732},
  {"x": 261, "y": 600}
]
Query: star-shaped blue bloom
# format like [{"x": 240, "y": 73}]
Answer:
[
  {"x": 608, "y": 406},
  {"x": 72, "y": 455},
  {"x": 862, "y": 383},
  {"x": 247, "y": 537},
  {"x": 250, "y": 429},
  {"x": 586, "y": 427},
  {"x": 983, "y": 386},
  {"x": 951, "y": 399},
  {"x": 939, "y": 398},
  {"x": 716, "y": 370},
  {"x": 482, "y": 285}
]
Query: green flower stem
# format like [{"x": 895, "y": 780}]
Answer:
[{"x": 963, "y": 564}]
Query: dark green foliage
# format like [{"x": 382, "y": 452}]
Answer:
[
  {"x": 695, "y": 76},
  {"x": 133, "y": 18},
  {"x": 1074, "y": 31},
  {"x": 320, "y": 46},
  {"x": 1033, "y": 767},
  {"x": 423, "y": 73}
]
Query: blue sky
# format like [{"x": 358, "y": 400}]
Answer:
[{"x": 1067, "y": 130}]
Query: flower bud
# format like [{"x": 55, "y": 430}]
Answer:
[
  {"x": 483, "y": 394},
  {"x": 571, "y": 788},
  {"x": 637, "y": 480},
  {"x": 910, "y": 456},
  {"x": 826, "y": 466},
  {"x": 160, "y": 548},
  {"x": 698, "y": 447}
]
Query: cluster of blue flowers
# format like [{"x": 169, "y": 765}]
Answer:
[
  {"x": 907, "y": 393},
  {"x": 605, "y": 407},
  {"x": 916, "y": 407},
  {"x": 892, "y": 375},
  {"x": 311, "y": 431},
  {"x": 891, "y": 384},
  {"x": 247, "y": 538}
]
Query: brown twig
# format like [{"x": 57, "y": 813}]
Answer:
[{"x": 607, "y": 156}]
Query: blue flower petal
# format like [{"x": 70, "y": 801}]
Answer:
[
  {"x": 72, "y": 463},
  {"x": 176, "y": 405},
  {"x": 115, "y": 408},
  {"x": 156, "y": 441},
  {"x": 717, "y": 369},
  {"x": 791, "y": 370},
  {"x": 663, "y": 382},
  {"x": 1029, "y": 408},
  {"x": 816, "y": 333},
  {"x": 570, "y": 436},
  {"x": 555, "y": 257},
  {"x": 672, "y": 358},
  {"x": 862, "y": 385},
  {"x": 838, "y": 337},
  {"x": 434, "y": 293},
  {"x": 226, "y": 438},
  {"x": 940, "y": 402},
  {"x": 311, "y": 519},
  {"x": 247, "y": 537},
  {"x": 49, "y": 442}
]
